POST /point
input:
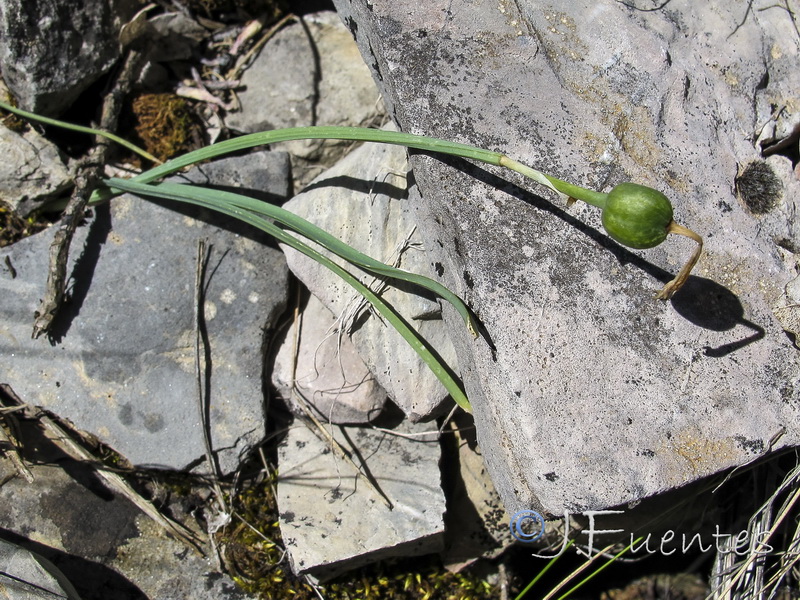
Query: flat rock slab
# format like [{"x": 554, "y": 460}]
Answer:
[
  {"x": 122, "y": 365},
  {"x": 366, "y": 201},
  {"x": 596, "y": 394},
  {"x": 332, "y": 522}
]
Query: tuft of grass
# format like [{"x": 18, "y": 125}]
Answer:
[{"x": 770, "y": 566}]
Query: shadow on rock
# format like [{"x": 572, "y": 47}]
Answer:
[
  {"x": 712, "y": 306},
  {"x": 82, "y": 274},
  {"x": 701, "y": 301}
]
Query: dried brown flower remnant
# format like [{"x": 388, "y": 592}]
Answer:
[{"x": 759, "y": 187}]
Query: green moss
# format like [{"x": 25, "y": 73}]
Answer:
[{"x": 165, "y": 124}]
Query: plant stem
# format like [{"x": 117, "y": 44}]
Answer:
[
  {"x": 560, "y": 186},
  {"x": 209, "y": 199},
  {"x": 81, "y": 129},
  {"x": 544, "y": 570},
  {"x": 673, "y": 286},
  {"x": 569, "y": 593},
  {"x": 361, "y": 134}
]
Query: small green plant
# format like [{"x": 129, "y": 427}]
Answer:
[
  {"x": 590, "y": 562},
  {"x": 634, "y": 215}
]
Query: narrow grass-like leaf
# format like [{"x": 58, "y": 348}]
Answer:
[
  {"x": 361, "y": 134},
  {"x": 314, "y": 233},
  {"x": 80, "y": 129},
  {"x": 221, "y": 202},
  {"x": 544, "y": 570},
  {"x": 590, "y": 576}
]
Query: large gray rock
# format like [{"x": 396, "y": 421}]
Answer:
[
  {"x": 52, "y": 50},
  {"x": 366, "y": 201},
  {"x": 122, "y": 362},
  {"x": 596, "y": 393}
]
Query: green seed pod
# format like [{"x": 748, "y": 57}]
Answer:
[{"x": 637, "y": 216}]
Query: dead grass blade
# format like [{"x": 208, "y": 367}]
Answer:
[{"x": 67, "y": 444}]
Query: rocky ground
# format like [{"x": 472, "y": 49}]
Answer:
[{"x": 305, "y": 450}]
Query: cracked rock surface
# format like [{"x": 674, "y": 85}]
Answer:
[
  {"x": 322, "y": 499},
  {"x": 597, "y": 394}
]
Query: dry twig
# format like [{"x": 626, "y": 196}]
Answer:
[
  {"x": 201, "y": 370},
  {"x": 8, "y": 445},
  {"x": 89, "y": 172}
]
